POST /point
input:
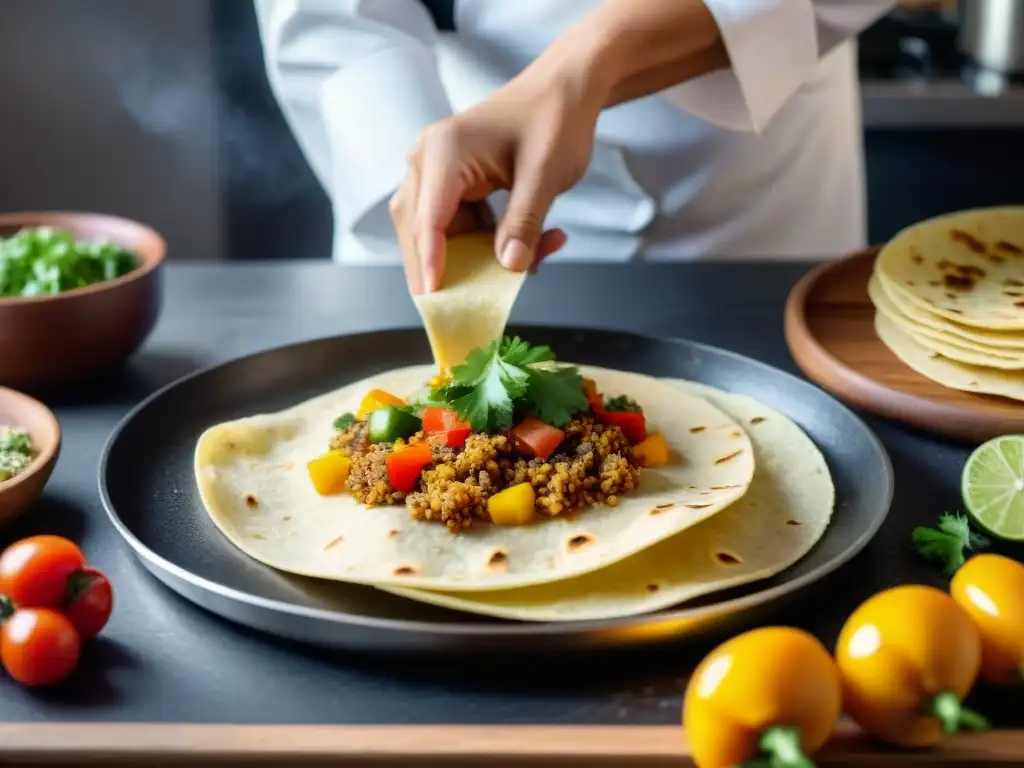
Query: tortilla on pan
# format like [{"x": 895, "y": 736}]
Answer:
[
  {"x": 948, "y": 373},
  {"x": 966, "y": 267},
  {"x": 253, "y": 482},
  {"x": 781, "y": 517}
]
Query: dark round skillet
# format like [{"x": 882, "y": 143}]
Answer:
[{"x": 147, "y": 486}]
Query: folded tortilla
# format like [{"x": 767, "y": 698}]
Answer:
[
  {"x": 253, "y": 482},
  {"x": 777, "y": 522}
]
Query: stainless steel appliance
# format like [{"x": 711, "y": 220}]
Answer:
[{"x": 992, "y": 34}]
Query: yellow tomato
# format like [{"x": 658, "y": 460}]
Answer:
[
  {"x": 652, "y": 451},
  {"x": 991, "y": 589},
  {"x": 908, "y": 656},
  {"x": 772, "y": 691},
  {"x": 329, "y": 472}
]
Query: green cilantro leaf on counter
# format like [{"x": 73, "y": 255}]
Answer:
[
  {"x": 503, "y": 377},
  {"x": 947, "y": 542}
]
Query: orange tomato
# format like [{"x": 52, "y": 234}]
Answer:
[
  {"x": 39, "y": 646},
  {"x": 908, "y": 656},
  {"x": 773, "y": 691},
  {"x": 35, "y": 571},
  {"x": 990, "y": 588}
]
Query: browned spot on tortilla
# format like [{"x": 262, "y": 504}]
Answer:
[
  {"x": 945, "y": 264},
  {"x": 729, "y": 457},
  {"x": 661, "y": 508},
  {"x": 934, "y": 283},
  {"x": 286, "y": 517},
  {"x": 966, "y": 238},
  {"x": 726, "y": 559},
  {"x": 929, "y": 301},
  {"x": 793, "y": 522},
  {"x": 1015, "y": 294},
  {"x": 231, "y": 446},
  {"x": 334, "y": 542},
  {"x": 578, "y": 542},
  {"x": 1018, "y": 303},
  {"x": 994, "y": 259},
  {"x": 259, "y": 537},
  {"x": 697, "y": 506},
  {"x": 911, "y": 283},
  {"x": 695, "y": 430},
  {"x": 392, "y": 532},
  {"x": 1013, "y": 283},
  {"x": 1008, "y": 247},
  {"x": 917, "y": 258},
  {"x": 404, "y": 570},
  {"x": 736, "y": 434},
  {"x": 955, "y": 311},
  {"x": 758, "y": 420},
  {"x": 652, "y": 587},
  {"x": 958, "y": 282},
  {"x": 724, "y": 487},
  {"x": 251, "y": 501},
  {"x": 951, "y": 296},
  {"x": 498, "y": 561}
]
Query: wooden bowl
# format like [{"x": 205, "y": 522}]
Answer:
[
  {"x": 18, "y": 410},
  {"x": 55, "y": 341}
]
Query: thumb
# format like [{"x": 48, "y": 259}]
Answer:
[{"x": 519, "y": 233}]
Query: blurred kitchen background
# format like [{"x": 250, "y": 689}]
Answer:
[{"x": 159, "y": 110}]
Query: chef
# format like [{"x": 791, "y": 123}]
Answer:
[{"x": 609, "y": 130}]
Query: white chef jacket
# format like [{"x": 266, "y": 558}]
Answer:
[{"x": 764, "y": 159}]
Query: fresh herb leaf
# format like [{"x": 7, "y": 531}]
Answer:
[
  {"x": 947, "y": 542},
  {"x": 39, "y": 261},
  {"x": 502, "y": 378},
  {"x": 556, "y": 395},
  {"x": 15, "y": 441},
  {"x": 425, "y": 397},
  {"x": 345, "y": 421},
  {"x": 622, "y": 404}
]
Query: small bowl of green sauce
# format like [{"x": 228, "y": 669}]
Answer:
[
  {"x": 30, "y": 441},
  {"x": 79, "y": 293}
]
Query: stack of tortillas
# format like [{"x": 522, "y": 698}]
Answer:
[{"x": 949, "y": 300}]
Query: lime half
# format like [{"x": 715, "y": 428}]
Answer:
[{"x": 993, "y": 486}]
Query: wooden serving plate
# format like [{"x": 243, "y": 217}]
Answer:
[{"x": 831, "y": 334}]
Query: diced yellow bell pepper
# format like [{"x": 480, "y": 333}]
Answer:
[
  {"x": 378, "y": 398},
  {"x": 652, "y": 451},
  {"x": 512, "y": 506},
  {"x": 329, "y": 472}
]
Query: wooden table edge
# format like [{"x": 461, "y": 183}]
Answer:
[{"x": 165, "y": 744}]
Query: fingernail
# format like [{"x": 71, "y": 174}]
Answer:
[
  {"x": 516, "y": 256},
  {"x": 429, "y": 278}
]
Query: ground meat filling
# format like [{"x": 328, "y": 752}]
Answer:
[{"x": 593, "y": 465}]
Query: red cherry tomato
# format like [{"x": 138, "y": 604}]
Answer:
[
  {"x": 34, "y": 572},
  {"x": 89, "y": 602},
  {"x": 39, "y": 646}
]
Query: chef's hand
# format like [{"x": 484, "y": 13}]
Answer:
[{"x": 533, "y": 137}]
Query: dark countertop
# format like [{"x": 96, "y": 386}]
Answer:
[{"x": 164, "y": 660}]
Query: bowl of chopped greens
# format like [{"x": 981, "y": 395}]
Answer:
[
  {"x": 29, "y": 446},
  {"x": 79, "y": 293}
]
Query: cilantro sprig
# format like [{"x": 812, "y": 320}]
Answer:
[
  {"x": 512, "y": 375},
  {"x": 947, "y": 542}
]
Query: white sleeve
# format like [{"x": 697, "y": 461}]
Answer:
[
  {"x": 357, "y": 81},
  {"x": 774, "y": 47}
]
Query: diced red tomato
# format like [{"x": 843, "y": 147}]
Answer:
[
  {"x": 441, "y": 420},
  {"x": 453, "y": 438},
  {"x": 405, "y": 465},
  {"x": 533, "y": 437},
  {"x": 632, "y": 423},
  {"x": 445, "y": 427}
]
